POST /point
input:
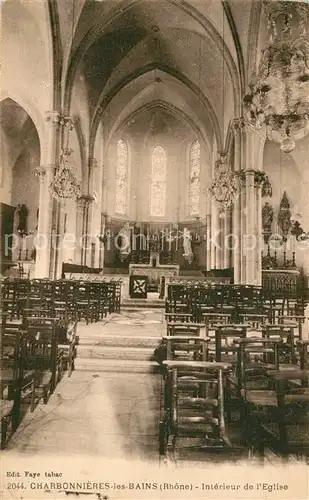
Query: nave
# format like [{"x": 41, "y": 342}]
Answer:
[
  {"x": 154, "y": 213},
  {"x": 108, "y": 407},
  {"x": 212, "y": 373}
]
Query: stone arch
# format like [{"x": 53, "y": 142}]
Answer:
[
  {"x": 130, "y": 78},
  {"x": 20, "y": 185},
  {"x": 126, "y": 6},
  {"x": 32, "y": 112}
]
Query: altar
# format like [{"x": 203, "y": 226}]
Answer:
[{"x": 154, "y": 272}]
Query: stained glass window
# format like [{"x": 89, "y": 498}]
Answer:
[
  {"x": 194, "y": 179},
  {"x": 121, "y": 178},
  {"x": 158, "y": 182}
]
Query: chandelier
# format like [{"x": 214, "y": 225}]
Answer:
[
  {"x": 279, "y": 94},
  {"x": 64, "y": 184},
  {"x": 223, "y": 188}
]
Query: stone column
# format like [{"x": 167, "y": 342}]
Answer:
[
  {"x": 214, "y": 246},
  {"x": 259, "y": 230},
  {"x": 80, "y": 206},
  {"x": 243, "y": 211},
  {"x": 91, "y": 230},
  {"x": 60, "y": 234},
  {"x": 237, "y": 209},
  {"x": 208, "y": 237},
  {"x": 252, "y": 226},
  {"x": 102, "y": 245},
  {"x": 83, "y": 245},
  {"x": 249, "y": 238},
  {"x": 43, "y": 241},
  {"x": 220, "y": 253},
  {"x": 226, "y": 239}
]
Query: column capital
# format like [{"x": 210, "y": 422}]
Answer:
[
  {"x": 238, "y": 124},
  {"x": 42, "y": 170},
  {"x": 56, "y": 118},
  {"x": 221, "y": 155},
  {"x": 52, "y": 117},
  {"x": 105, "y": 217},
  {"x": 66, "y": 121},
  {"x": 93, "y": 163},
  {"x": 84, "y": 201},
  {"x": 258, "y": 175}
]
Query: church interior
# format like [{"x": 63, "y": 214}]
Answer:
[{"x": 154, "y": 194}]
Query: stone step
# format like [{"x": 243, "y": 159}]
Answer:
[
  {"x": 138, "y": 307},
  {"x": 149, "y": 302},
  {"x": 115, "y": 353},
  {"x": 112, "y": 365},
  {"x": 133, "y": 304},
  {"x": 137, "y": 341}
]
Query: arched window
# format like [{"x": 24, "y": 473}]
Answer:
[
  {"x": 194, "y": 178},
  {"x": 121, "y": 201},
  {"x": 158, "y": 182}
]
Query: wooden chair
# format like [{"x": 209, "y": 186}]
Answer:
[
  {"x": 41, "y": 354},
  {"x": 103, "y": 300},
  {"x": 114, "y": 294},
  {"x": 287, "y": 353},
  {"x": 15, "y": 384},
  {"x": 274, "y": 307},
  {"x": 286, "y": 431},
  {"x": 84, "y": 301},
  {"x": 294, "y": 321},
  {"x": 194, "y": 408},
  {"x": 9, "y": 299},
  {"x": 186, "y": 347},
  {"x": 184, "y": 328},
  {"x": 253, "y": 320},
  {"x": 251, "y": 387},
  {"x": 67, "y": 346},
  {"x": 214, "y": 318},
  {"x": 173, "y": 317},
  {"x": 303, "y": 349},
  {"x": 225, "y": 349}
]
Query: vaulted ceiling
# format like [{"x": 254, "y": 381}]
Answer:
[
  {"x": 194, "y": 56},
  {"x": 190, "y": 54}
]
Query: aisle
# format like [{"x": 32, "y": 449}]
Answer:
[{"x": 113, "y": 415}]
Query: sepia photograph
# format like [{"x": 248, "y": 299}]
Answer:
[{"x": 154, "y": 249}]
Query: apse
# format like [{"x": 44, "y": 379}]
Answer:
[{"x": 148, "y": 162}]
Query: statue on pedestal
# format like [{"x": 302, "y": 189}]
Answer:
[
  {"x": 22, "y": 214},
  {"x": 125, "y": 243},
  {"x": 154, "y": 245},
  {"x": 155, "y": 249},
  {"x": 187, "y": 246}
]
